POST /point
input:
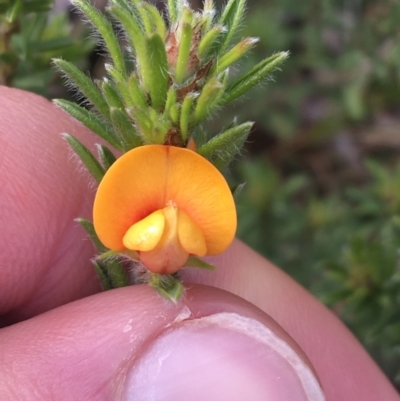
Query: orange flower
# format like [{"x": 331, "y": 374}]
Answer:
[{"x": 165, "y": 203}]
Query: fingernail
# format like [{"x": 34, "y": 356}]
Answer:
[{"x": 220, "y": 357}]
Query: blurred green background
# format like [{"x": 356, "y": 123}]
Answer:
[{"x": 322, "y": 164}]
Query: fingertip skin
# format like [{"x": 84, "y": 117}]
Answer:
[{"x": 44, "y": 253}]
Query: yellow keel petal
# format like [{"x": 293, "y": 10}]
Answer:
[{"x": 145, "y": 234}]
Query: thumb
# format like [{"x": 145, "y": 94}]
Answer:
[{"x": 130, "y": 344}]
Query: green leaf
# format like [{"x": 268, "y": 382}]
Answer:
[
  {"x": 186, "y": 111},
  {"x": 86, "y": 156},
  {"x": 156, "y": 18},
  {"x": 104, "y": 27},
  {"x": 173, "y": 10},
  {"x": 111, "y": 273},
  {"x": 106, "y": 157},
  {"x": 155, "y": 70},
  {"x": 231, "y": 18},
  {"x": 208, "y": 40},
  {"x": 136, "y": 93},
  {"x": 253, "y": 77},
  {"x": 84, "y": 85},
  {"x": 222, "y": 148},
  {"x": 89, "y": 228},
  {"x": 233, "y": 55},
  {"x": 125, "y": 129},
  {"x": 194, "y": 261},
  {"x": 132, "y": 27},
  {"x": 184, "y": 52},
  {"x": 90, "y": 120},
  {"x": 208, "y": 99},
  {"x": 111, "y": 96}
]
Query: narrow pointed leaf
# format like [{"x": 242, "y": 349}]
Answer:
[
  {"x": 89, "y": 228},
  {"x": 157, "y": 19},
  {"x": 253, "y": 77},
  {"x": 111, "y": 273},
  {"x": 136, "y": 92},
  {"x": 173, "y": 10},
  {"x": 231, "y": 19},
  {"x": 104, "y": 27},
  {"x": 125, "y": 129},
  {"x": 86, "y": 156},
  {"x": 90, "y": 120},
  {"x": 111, "y": 96},
  {"x": 133, "y": 29},
  {"x": 186, "y": 111},
  {"x": 155, "y": 70},
  {"x": 183, "y": 54},
  {"x": 233, "y": 55},
  {"x": 106, "y": 157},
  {"x": 222, "y": 148},
  {"x": 85, "y": 85},
  {"x": 207, "y": 99}
]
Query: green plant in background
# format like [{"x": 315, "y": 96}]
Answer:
[
  {"x": 30, "y": 38},
  {"x": 325, "y": 207}
]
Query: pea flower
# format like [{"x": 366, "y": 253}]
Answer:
[{"x": 163, "y": 204}]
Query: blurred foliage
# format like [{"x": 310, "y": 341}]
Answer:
[
  {"x": 29, "y": 38},
  {"x": 322, "y": 193},
  {"x": 322, "y": 171}
]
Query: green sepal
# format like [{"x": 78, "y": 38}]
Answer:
[
  {"x": 253, "y": 77},
  {"x": 111, "y": 273},
  {"x": 208, "y": 99},
  {"x": 90, "y": 120},
  {"x": 125, "y": 129},
  {"x": 105, "y": 29},
  {"x": 154, "y": 70},
  {"x": 167, "y": 286},
  {"x": 89, "y": 228},
  {"x": 86, "y": 157},
  {"x": 106, "y": 157},
  {"x": 84, "y": 85},
  {"x": 185, "y": 43},
  {"x": 222, "y": 148},
  {"x": 194, "y": 261},
  {"x": 231, "y": 18}
]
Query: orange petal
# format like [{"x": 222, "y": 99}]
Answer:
[
  {"x": 190, "y": 235},
  {"x": 148, "y": 178},
  {"x": 146, "y": 234}
]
